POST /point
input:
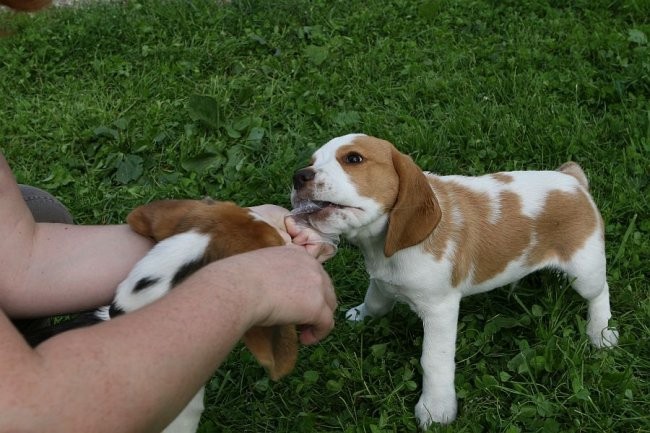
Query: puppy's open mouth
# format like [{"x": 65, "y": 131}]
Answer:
[{"x": 313, "y": 206}]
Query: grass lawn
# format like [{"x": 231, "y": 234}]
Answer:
[{"x": 115, "y": 105}]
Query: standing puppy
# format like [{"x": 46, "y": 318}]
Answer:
[{"x": 430, "y": 240}]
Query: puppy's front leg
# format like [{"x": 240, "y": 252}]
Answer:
[
  {"x": 188, "y": 420},
  {"x": 376, "y": 303},
  {"x": 438, "y": 400}
]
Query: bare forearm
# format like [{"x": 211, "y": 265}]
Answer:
[
  {"x": 72, "y": 268},
  {"x": 155, "y": 362},
  {"x": 55, "y": 268}
]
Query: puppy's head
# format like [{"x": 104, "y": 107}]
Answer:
[
  {"x": 359, "y": 185},
  {"x": 232, "y": 230}
]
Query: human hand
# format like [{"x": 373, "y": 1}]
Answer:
[
  {"x": 273, "y": 215},
  {"x": 313, "y": 242},
  {"x": 280, "y": 286}
]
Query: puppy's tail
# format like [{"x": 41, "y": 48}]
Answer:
[
  {"x": 573, "y": 169},
  {"x": 37, "y": 331}
]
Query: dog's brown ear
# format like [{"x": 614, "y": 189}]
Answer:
[
  {"x": 160, "y": 219},
  {"x": 275, "y": 348},
  {"x": 416, "y": 211}
]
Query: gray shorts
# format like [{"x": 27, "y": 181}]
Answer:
[{"x": 44, "y": 206}]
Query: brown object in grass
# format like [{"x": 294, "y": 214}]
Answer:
[{"x": 26, "y": 5}]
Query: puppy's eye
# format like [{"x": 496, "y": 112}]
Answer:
[{"x": 353, "y": 158}]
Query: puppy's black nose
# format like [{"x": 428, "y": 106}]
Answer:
[{"x": 302, "y": 176}]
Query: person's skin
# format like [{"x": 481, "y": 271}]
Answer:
[{"x": 136, "y": 372}]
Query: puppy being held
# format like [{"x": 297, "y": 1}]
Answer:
[
  {"x": 430, "y": 240},
  {"x": 189, "y": 235}
]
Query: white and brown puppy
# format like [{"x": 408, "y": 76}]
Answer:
[
  {"x": 189, "y": 235},
  {"x": 430, "y": 240}
]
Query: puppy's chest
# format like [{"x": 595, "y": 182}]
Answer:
[{"x": 409, "y": 272}]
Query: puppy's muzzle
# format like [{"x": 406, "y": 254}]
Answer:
[{"x": 303, "y": 176}]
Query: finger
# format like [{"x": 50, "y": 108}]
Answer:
[
  {"x": 301, "y": 238},
  {"x": 272, "y": 214},
  {"x": 314, "y": 250},
  {"x": 327, "y": 252},
  {"x": 291, "y": 226},
  {"x": 307, "y": 336},
  {"x": 312, "y": 334}
]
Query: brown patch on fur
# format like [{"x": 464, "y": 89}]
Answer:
[
  {"x": 502, "y": 177},
  {"x": 160, "y": 219},
  {"x": 375, "y": 176},
  {"x": 505, "y": 240},
  {"x": 232, "y": 230},
  {"x": 483, "y": 249},
  {"x": 395, "y": 181},
  {"x": 563, "y": 226}
]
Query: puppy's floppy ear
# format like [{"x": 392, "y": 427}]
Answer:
[
  {"x": 416, "y": 211},
  {"x": 160, "y": 219},
  {"x": 275, "y": 348}
]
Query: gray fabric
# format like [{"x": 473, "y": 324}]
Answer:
[{"x": 44, "y": 206}]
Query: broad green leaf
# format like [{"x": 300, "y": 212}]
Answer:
[
  {"x": 205, "y": 109},
  {"x": 637, "y": 36},
  {"x": 378, "y": 350},
  {"x": 317, "y": 55},
  {"x": 202, "y": 162},
  {"x": 129, "y": 169},
  {"x": 105, "y": 131},
  {"x": 310, "y": 376},
  {"x": 255, "y": 134},
  {"x": 121, "y": 123}
]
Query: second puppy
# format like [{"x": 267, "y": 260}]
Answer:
[{"x": 191, "y": 234}]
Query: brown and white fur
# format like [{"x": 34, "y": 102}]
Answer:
[
  {"x": 430, "y": 240},
  {"x": 189, "y": 235}
]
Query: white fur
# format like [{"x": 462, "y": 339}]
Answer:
[
  {"x": 162, "y": 262},
  {"x": 414, "y": 276}
]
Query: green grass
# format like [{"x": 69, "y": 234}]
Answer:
[{"x": 97, "y": 107}]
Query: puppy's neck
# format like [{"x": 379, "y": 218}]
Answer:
[{"x": 370, "y": 237}]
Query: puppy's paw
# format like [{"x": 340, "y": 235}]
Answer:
[
  {"x": 439, "y": 410},
  {"x": 605, "y": 338},
  {"x": 356, "y": 314}
]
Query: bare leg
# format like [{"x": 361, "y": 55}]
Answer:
[{"x": 45, "y": 208}]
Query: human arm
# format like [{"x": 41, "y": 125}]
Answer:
[
  {"x": 136, "y": 372},
  {"x": 46, "y": 268}
]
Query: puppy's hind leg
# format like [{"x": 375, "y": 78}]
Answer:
[
  {"x": 587, "y": 272},
  {"x": 376, "y": 303}
]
